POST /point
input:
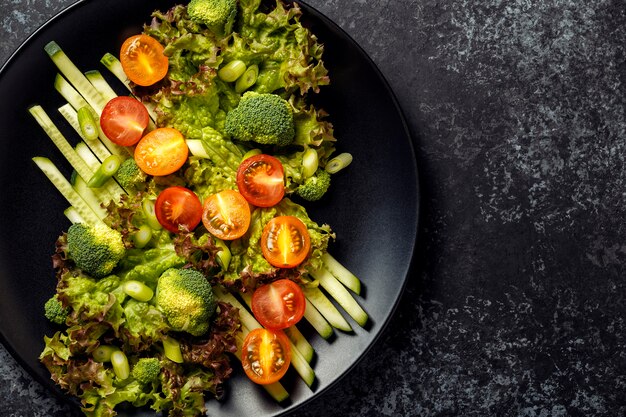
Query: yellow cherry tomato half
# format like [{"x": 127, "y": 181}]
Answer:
[
  {"x": 143, "y": 60},
  {"x": 161, "y": 152}
]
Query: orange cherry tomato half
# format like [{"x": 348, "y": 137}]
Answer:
[
  {"x": 265, "y": 355},
  {"x": 261, "y": 180},
  {"x": 143, "y": 60},
  {"x": 285, "y": 241},
  {"x": 123, "y": 120},
  {"x": 226, "y": 215},
  {"x": 279, "y": 304},
  {"x": 178, "y": 207},
  {"x": 161, "y": 152}
]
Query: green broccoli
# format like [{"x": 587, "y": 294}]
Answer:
[
  {"x": 217, "y": 15},
  {"x": 186, "y": 299},
  {"x": 146, "y": 370},
  {"x": 54, "y": 311},
  {"x": 130, "y": 176},
  {"x": 266, "y": 119},
  {"x": 96, "y": 249},
  {"x": 315, "y": 186}
]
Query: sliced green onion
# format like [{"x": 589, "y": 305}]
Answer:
[
  {"x": 223, "y": 256},
  {"x": 250, "y": 153},
  {"x": 150, "y": 213},
  {"x": 310, "y": 162},
  {"x": 87, "y": 122},
  {"x": 103, "y": 353},
  {"x": 105, "y": 171},
  {"x": 248, "y": 79},
  {"x": 119, "y": 361},
  {"x": 338, "y": 163},
  {"x": 138, "y": 290},
  {"x": 172, "y": 351},
  {"x": 142, "y": 236},
  {"x": 231, "y": 71}
]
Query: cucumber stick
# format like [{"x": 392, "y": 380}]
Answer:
[
  {"x": 75, "y": 76},
  {"x": 59, "y": 140},
  {"x": 73, "y": 215},
  {"x": 66, "y": 190},
  {"x": 326, "y": 308},
  {"x": 315, "y": 319},
  {"x": 341, "y": 295},
  {"x": 297, "y": 338},
  {"x": 340, "y": 272},
  {"x": 92, "y": 197},
  {"x": 100, "y": 84}
]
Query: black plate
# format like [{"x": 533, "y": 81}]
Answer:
[{"x": 373, "y": 205}]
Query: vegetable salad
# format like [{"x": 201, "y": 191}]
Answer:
[{"x": 190, "y": 248}]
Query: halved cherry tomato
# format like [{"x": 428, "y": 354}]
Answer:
[
  {"x": 226, "y": 215},
  {"x": 143, "y": 60},
  {"x": 178, "y": 207},
  {"x": 279, "y": 304},
  {"x": 265, "y": 355},
  {"x": 161, "y": 152},
  {"x": 261, "y": 180},
  {"x": 285, "y": 241},
  {"x": 123, "y": 120}
]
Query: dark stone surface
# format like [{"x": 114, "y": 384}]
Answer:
[{"x": 516, "y": 305}]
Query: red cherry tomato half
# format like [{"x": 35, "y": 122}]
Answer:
[
  {"x": 161, "y": 152},
  {"x": 123, "y": 120},
  {"x": 226, "y": 215},
  {"x": 178, "y": 207},
  {"x": 265, "y": 355},
  {"x": 261, "y": 180},
  {"x": 285, "y": 241},
  {"x": 143, "y": 60},
  {"x": 279, "y": 304}
]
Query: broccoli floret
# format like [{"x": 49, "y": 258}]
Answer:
[
  {"x": 130, "y": 176},
  {"x": 315, "y": 186},
  {"x": 96, "y": 249},
  {"x": 186, "y": 299},
  {"x": 266, "y": 119},
  {"x": 217, "y": 15},
  {"x": 146, "y": 370},
  {"x": 54, "y": 311}
]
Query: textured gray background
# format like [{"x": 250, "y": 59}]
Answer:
[{"x": 516, "y": 307}]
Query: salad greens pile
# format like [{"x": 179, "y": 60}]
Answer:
[{"x": 121, "y": 338}]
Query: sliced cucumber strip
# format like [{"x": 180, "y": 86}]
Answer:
[
  {"x": 92, "y": 197},
  {"x": 326, "y": 308},
  {"x": 300, "y": 342},
  {"x": 66, "y": 190},
  {"x": 59, "y": 140},
  {"x": 99, "y": 83},
  {"x": 69, "y": 93},
  {"x": 340, "y": 272},
  {"x": 315, "y": 319},
  {"x": 84, "y": 152},
  {"x": 75, "y": 76},
  {"x": 341, "y": 295},
  {"x": 73, "y": 215}
]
